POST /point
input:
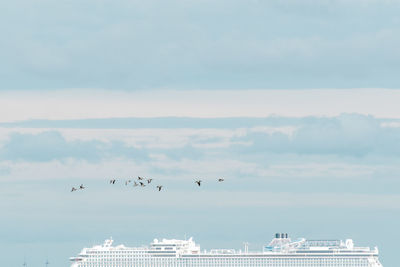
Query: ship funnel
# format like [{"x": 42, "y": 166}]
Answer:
[{"x": 281, "y": 235}]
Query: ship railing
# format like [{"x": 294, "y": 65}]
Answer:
[{"x": 222, "y": 251}]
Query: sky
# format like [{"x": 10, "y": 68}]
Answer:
[
  {"x": 185, "y": 44},
  {"x": 293, "y": 103}
]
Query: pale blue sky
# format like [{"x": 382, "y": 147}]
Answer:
[
  {"x": 199, "y": 44},
  {"x": 177, "y": 90}
]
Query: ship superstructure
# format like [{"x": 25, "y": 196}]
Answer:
[{"x": 280, "y": 252}]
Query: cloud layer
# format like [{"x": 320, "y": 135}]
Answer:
[
  {"x": 160, "y": 105},
  {"x": 349, "y": 146},
  {"x": 50, "y": 145}
]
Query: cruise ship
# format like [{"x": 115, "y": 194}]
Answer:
[{"x": 280, "y": 252}]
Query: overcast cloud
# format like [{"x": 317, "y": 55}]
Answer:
[{"x": 190, "y": 44}]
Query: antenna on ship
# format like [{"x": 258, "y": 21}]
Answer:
[{"x": 246, "y": 247}]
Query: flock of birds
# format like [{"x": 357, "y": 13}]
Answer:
[{"x": 141, "y": 181}]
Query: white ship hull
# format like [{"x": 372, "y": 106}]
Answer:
[{"x": 281, "y": 252}]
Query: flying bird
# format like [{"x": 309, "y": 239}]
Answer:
[
  {"x": 221, "y": 180},
  {"x": 149, "y": 180},
  {"x": 81, "y": 186},
  {"x": 73, "y": 189},
  {"x": 139, "y": 178},
  {"x": 127, "y": 182},
  {"x": 112, "y": 181},
  {"x": 198, "y": 182},
  {"x": 142, "y": 184},
  {"x": 159, "y": 187},
  {"x": 135, "y": 184}
]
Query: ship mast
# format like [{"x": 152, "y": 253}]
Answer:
[{"x": 246, "y": 247}]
